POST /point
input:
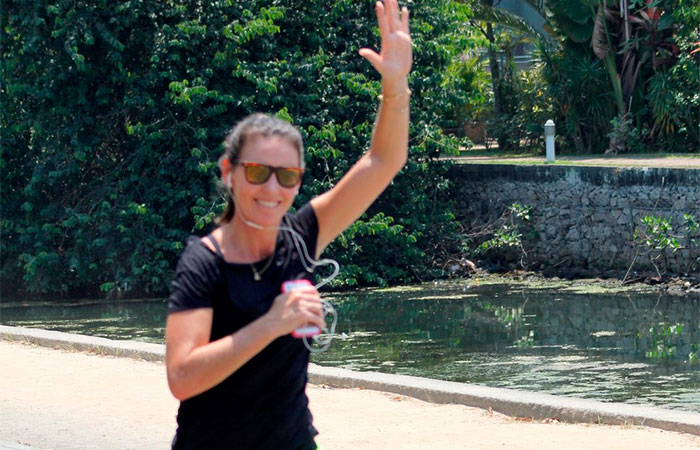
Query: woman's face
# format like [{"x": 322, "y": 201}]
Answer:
[{"x": 264, "y": 204}]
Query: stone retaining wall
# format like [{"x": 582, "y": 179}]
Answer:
[{"x": 584, "y": 218}]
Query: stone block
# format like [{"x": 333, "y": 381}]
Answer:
[
  {"x": 679, "y": 204},
  {"x": 599, "y": 217},
  {"x": 623, "y": 219},
  {"x": 600, "y": 198},
  {"x": 572, "y": 235}
]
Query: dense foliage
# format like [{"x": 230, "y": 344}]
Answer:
[
  {"x": 614, "y": 76},
  {"x": 113, "y": 114},
  {"x": 637, "y": 71}
]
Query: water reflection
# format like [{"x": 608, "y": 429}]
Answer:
[
  {"x": 142, "y": 320},
  {"x": 630, "y": 347},
  {"x": 635, "y": 348}
]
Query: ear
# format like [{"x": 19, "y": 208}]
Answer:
[
  {"x": 225, "y": 168},
  {"x": 230, "y": 187}
]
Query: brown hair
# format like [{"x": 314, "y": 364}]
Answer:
[{"x": 255, "y": 124}]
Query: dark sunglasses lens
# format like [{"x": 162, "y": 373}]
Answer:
[
  {"x": 257, "y": 174},
  {"x": 288, "y": 177}
]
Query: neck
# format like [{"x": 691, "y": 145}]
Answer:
[{"x": 242, "y": 242}]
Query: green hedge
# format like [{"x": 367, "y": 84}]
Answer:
[{"x": 113, "y": 114}]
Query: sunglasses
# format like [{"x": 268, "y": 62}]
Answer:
[{"x": 259, "y": 174}]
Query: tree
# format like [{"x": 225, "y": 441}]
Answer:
[
  {"x": 640, "y": 42},
  {"x": 620, "y": 69},
  {"x": 114, "y": 113},
  {"x": 486, "y": 17}
]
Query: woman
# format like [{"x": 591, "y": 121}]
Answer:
[{"x": 230, "y": 357}]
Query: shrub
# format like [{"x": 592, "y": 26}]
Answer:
[{"x": 114, "y": 113}]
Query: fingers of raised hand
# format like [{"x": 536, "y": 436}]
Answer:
[
  {"x": 390, "y": 18},
  {"x": 371, "y": 56},
  {"x": 404, "y": 20},
  {"x": 395, "y": 19},
  {"x": 382, "y": 19}
]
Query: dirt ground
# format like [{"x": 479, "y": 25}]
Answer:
[{"x": 54, "y": 399}]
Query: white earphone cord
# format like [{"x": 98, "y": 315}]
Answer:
[{"x": 324, "y": 339}]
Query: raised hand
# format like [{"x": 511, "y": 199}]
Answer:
[{"x": 396, "y": 54}]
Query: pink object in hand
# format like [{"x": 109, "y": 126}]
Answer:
[{"x": 308, "y": 330}]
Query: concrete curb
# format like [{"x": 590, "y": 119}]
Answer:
[
  {"x": 506, "y": 401},
  {"x": 511, "y": 402},
  {"x": 79, "y": 342}
]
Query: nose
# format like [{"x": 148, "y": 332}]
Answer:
[{"x": 273, "y": 183}]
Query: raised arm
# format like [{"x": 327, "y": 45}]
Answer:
[{"x": 362, "y": 184}]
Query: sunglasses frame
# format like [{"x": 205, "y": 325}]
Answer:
[{"x": 272, "y": 169}]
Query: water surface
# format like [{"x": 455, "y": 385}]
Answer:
[{"x": 564, "y": 339}]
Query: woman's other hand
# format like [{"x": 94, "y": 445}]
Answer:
[
  {"x": 295, "y": 309},
  {"x": 396, "y": 54}
]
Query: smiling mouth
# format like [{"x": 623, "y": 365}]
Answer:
[{"x": 267, "y": 204}]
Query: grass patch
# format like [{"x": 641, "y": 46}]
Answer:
[
  {"x": 496, "y": 153},
  {"x": 482, "y": 156}
]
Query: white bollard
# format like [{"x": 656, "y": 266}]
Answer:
[{"x": 549, "y": 139}]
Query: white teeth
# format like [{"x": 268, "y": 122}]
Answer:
[{"x": 267, "y": 204}]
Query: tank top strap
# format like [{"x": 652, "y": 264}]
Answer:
[{"x": 216, "y": 246}]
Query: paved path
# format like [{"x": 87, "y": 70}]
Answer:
[
  {"x": 5, "y": 445},
  {"x": 63, "y": 400}
]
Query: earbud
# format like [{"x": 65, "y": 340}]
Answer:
[
  {"x": 252, "y": 224},
  {"x": 228, "y": 180}
]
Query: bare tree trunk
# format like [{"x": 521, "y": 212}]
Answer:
[
  {"x": 495, "y": 70},
  {"x": 496, "y": 81}
]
